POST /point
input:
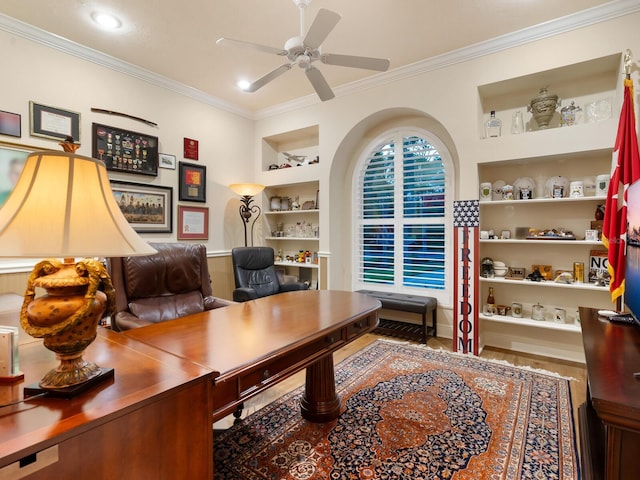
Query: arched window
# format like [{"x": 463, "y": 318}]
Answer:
[{"x": 403, "y": 203}]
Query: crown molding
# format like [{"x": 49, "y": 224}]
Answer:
[
  {"x": 37, "y": 35},
  {"x": 608, "y": 11}
]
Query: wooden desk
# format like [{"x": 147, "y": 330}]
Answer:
[
  {"x": 141, "y": 424},
  {"x": 610, "y": 417},
  {"x": 253, "y": 345}
]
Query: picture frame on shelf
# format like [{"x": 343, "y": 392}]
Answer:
[
  {"x": 193, "y": 223},
  {"x": 192, "y": 182},
  {"x": 167, "y": 161},
  {"x": 516, "y": 273},
  {"x": 147, "y": 208},
  {"x": 10, "y": 124},
  {"x": 53, "y": 122},
  {"x": 125, "y": 150}
]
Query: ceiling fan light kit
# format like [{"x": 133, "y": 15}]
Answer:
[{"x": 303, "y": 50}]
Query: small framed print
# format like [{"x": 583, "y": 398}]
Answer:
[
  {"x": 167, "y": 161},
  {"x": 190, "y": 148},
  {"x": 515, "y": 273},
  {"x": 193, "y": 223},
  {"x": 54, "y": 122},
  {"x": 10, "y": 124},
  {"x": 193, "y": 182},
  {"x": 505, "y": 234}
]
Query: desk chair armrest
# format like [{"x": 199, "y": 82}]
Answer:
[
  {"x": 215, "y": 302},
  {"x": 293, "y": 286},
  {"x": 126, "y": 320},
  {"x": 244, "y": 294}
]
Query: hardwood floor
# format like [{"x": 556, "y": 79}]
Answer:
[{"x": 575, "y": 371}]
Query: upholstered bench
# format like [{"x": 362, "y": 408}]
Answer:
[{"x": 407, "y": 303}]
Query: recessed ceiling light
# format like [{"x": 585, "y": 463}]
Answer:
[
  {"x": 244, "y": 84},
  {"x": 106, "y": 20}
]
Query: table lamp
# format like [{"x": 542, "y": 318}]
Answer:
[
  {"x": 63, "y": 207},
  {"x": 247, "y": 192}
]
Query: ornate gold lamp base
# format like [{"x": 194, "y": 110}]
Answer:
[{"x": 67, "y": 318}]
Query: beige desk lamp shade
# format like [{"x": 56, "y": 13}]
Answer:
[{"x": 63, "y": 206}]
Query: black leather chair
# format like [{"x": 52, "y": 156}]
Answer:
[
  {"x": 169, "y": 284},
  {"x": 256, "y": 276}
]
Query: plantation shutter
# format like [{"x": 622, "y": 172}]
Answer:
[{"x": 402, "y": 216}]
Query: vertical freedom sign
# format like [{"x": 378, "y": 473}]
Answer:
[{"x": 465, "y": 241}]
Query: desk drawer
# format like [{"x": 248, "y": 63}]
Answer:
[
  {"x": 361, "y": 326},
  {"x": 273, "y": 371}
]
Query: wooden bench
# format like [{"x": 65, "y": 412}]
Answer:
[{"x": 407, "y": 303}]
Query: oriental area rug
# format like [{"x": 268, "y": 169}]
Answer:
[{"x": 411, "y": 412}]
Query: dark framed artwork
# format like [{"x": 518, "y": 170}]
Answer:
[
  {"x": 12, "y": 158},
  {"x": 54, "y": 122},
  {"x": 193, "y": 223},
  {"x": 10, "y": 124},
  {"x": 124, "y": 150},
  {"x": 147, "y": 208},
  {"x": 193, "y": 182}
]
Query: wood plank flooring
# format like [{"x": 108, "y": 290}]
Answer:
[{"x": 575, "y": 371}]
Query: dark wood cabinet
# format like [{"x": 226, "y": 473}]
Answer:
[{"x": 610, "y": 417}]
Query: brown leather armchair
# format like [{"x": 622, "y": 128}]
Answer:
[{"x": 169, "y": 284}]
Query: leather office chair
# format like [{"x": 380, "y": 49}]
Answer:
[
  {"x": 255, "y": 274},
  {"x": 169, "y": 284}
]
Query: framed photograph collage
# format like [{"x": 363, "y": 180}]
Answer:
[{"x": 148, "y": 208}]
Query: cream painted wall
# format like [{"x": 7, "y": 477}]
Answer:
[
  {"x": 447, "y": 97},
  {"x": 35, "y": 72}
]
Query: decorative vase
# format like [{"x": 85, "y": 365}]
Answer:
[{"x": 543, "y": 106}]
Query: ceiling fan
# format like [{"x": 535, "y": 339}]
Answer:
[{"x": 303, "y": 50}]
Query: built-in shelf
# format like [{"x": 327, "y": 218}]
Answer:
[
  {"x": 297, "y": 264},
  {"x": 310, "y": 239},
  {"x": 596, "y": 243},
  {"x": 291, "y": 212},
  {"x": 546, "y": 284},
  {"x": 534, "y": 201},
  {"x": 567, "y": 327}
]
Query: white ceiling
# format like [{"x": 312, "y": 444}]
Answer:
[{"x": 176, "y": 39}]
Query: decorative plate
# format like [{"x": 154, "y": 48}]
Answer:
[
  {"x": 557, "y": 181},
  {"x": 524, "y": 182}
]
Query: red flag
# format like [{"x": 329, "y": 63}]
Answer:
[{"x": 625, "y": 171}]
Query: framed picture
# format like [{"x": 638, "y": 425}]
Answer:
[
  {"x": 166, "y": 161},
  {"x": 193, "y": 223},
  {"x": 147, "y": 208},
  {"x": 193, "y": 182},
  {"x": 53, "y": 122},
  {"x": 190, "y": 149},
  {"x": 515, "y": 273},
  {"x": 125, "y": 151},
  {"x": 10, "y": 124},
  {"x": 12, "y": 158}
]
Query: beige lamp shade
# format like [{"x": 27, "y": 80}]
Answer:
[
  {"x": 246, "y": 189},
  {"x": 63, "y": 206}
]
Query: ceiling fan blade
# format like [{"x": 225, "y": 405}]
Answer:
[
  {"x": 369, "y": 63},
  {"x": 230, "y": 42},
  {"x": 262, "y": 81},
  {"x": 319, "y": 83},
  {"x": 324, "y": 22}
]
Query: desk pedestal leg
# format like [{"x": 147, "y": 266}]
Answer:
[{"x": 320, "y": 403}]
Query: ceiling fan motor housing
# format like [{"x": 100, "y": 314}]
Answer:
[{"x": 299, "y": 54}]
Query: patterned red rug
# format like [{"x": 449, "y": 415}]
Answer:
[{"x": 410, "y": 412}]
